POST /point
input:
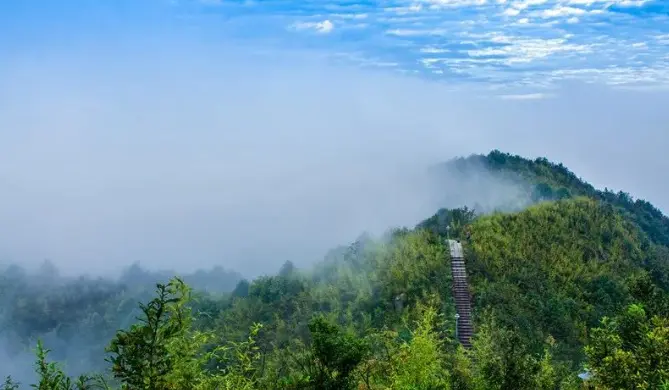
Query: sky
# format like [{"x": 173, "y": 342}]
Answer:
[{"x": 186, "y": 134}]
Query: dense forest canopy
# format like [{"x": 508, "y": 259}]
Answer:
[{"x": 574, "y": 286}]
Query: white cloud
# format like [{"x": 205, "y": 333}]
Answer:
[
  {"x": 562, "y": 11},
  {"x": 520, "y": 5},
  {"x": 405, "y": 10},
  {"x": 437, "y": 4},
  {"x": 524, "y": 4},
  {"x": 524, "y": 50},
  {"x": 632, "y": 3},
  {"x": 609, "y": 3},
  {"x": 324, "y": 27},
  {"x": 433, "y": 50},
  {"x": 656, "y": 75},
  {"x": 350, "y": 16},
  {"x": 429, "y": 62},
  {"x": 416, "y": 32},
  {"x": 526, "y": 96}
]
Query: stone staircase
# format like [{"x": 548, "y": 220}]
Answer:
[{"x": 461, "y": 294}]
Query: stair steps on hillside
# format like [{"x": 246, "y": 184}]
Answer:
[{"x": 461, "y": 294}]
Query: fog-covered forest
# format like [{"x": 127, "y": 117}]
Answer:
[{"x": 570, "y": 290}]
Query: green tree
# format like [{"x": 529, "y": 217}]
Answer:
[
  {"x": 144, "y": 356},
  {"x": 503, "y": 361},
  {"x": 337, "y": 354},
  {"x": 630, "y": 351},
  {"x": 9, "y": 384},
  {"x": 52, "y": 377},
  {"x": 420, "y": 363},
  {"x": 501, "y": 358}
]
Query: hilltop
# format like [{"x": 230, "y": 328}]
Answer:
[
  {"x": 546, "y": 180},
  {"x": 577, "y": 278}
]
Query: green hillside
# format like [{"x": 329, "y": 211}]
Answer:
[
  {"x": 556, "y": 268},
  {"x": 556, "y": 181},
  {"x": 578, "y": 281}
]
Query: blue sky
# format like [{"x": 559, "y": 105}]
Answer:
[
  {"x": 521, "y": 45},
  {"x": 192, "y": 133}
]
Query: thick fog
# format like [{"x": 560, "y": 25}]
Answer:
[{"x": 215, "y": 156}]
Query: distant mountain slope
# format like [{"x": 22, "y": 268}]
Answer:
[{"x": 555, "y": 181}]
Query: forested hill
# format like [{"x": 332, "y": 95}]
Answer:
[
  {"x": 578, "y": 282},
  {"x": 548, "y": 180}
]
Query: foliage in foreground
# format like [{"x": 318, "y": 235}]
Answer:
[{"x": 163, "y": 351}]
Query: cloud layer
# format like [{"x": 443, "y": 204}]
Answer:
[{"x": 510, "y": 44}]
